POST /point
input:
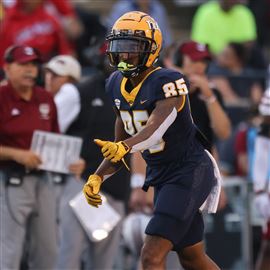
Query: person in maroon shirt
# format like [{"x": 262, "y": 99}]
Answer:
[
  {"x": 28, "y": 23},
  {"x": 26, "y": 194}
]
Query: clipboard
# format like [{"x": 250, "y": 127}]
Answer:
[
  {"x": 97, "y": 222},
  {"x": 57, "y": 151}
]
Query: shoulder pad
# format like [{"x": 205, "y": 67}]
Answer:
[
  {"x": 111, "y": 80},
  {"x": 169, "y": 83}
]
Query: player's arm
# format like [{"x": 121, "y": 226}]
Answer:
[
  {"x": 159, "y": 121},
  {"x": 105, "y": 170}
]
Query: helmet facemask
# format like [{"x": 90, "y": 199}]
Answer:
[{"x": 138, "y": 47}]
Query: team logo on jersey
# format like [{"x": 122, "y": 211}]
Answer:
[
  {"x": 143, "y": 101},
  {"x": 117, "y": 103},
  {"x": 44, "y": 109},
  {"x": 15, "y": 112},
  {"x": 152, "y": 24}
]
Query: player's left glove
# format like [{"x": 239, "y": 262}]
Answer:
[
  {"x": 113, "y": 151},
  {"x": 91, "y": 190}
]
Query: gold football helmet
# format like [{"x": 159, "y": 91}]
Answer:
[{"x": 134, "y": 33}]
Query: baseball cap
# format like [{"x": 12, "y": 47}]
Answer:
[
  {"x": 21, "y": 54},
  {"x": 264, "y": 106},
  {"x": 196, "y": 51},
  {"x": 65, "y": 65}
]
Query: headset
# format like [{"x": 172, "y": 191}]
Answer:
[{"x": 8, "y": 56}]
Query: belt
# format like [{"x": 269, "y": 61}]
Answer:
[{"x": 20, "y": 170}]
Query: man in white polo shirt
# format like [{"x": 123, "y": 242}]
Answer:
[{"x": 62, "y": 72}]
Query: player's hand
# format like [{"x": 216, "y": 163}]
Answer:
[
  {"x": 113, "y": 151},
  {"x": 91, "y": 190}
]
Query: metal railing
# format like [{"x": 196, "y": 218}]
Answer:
[{"x": 235, "y": 225}]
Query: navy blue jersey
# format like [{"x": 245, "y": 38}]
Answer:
[{"x": 136, "y": 106}]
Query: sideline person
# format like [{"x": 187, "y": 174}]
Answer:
[{"x": 27, "y": 196}]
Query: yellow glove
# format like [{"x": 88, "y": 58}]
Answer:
[
  {"x": 113, "y": 151},
  {"x": 91, "y": 190}
]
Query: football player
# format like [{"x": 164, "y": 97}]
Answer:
[{"x": 153, "y": 116}]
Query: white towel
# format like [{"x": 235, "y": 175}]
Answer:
[
  {"x": 262, "y": 205},
  {"x": 211, "y": 203},
  {"x": 261, "y": 176}
]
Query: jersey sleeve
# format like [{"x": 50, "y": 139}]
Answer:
[{"x": 169, "y": 84}]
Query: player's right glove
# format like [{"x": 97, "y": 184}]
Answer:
[
  {"x": 91, "y": 190},
  {"x": 113, "y": 151}
]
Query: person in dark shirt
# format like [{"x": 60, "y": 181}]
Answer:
[
  {"x": 84, "y": 111},
  {"x": 205, "y": 101}
]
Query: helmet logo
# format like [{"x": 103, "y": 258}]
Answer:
[{"x": 152, "y": 25}]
